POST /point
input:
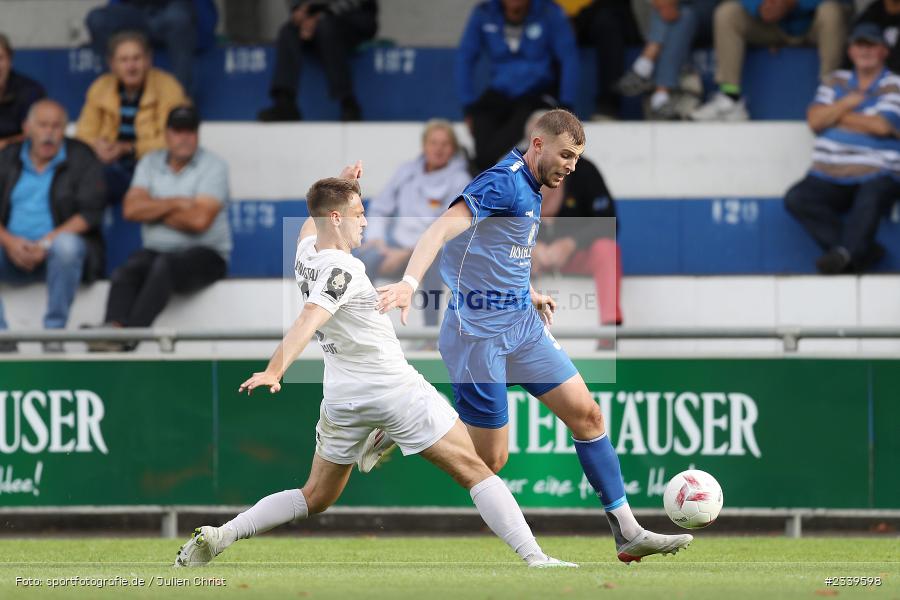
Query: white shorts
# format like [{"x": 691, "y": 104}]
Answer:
[{"x": 415, "y": 417}]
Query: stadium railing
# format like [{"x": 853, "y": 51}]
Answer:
[{"x": 168, "y": 338}]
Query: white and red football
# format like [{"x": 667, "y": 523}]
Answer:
[{"x": 693, "y": 499}]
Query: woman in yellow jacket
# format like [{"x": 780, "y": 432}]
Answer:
[{"x": 124, "y": 115}]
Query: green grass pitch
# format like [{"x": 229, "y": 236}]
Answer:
[{"x": 430, "y": 568}]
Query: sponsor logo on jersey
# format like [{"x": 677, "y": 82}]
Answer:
[
  {"x": 337, "y": 284},
  {"x": 519, "y": 251},
  {"x": 516, "y": 166}
]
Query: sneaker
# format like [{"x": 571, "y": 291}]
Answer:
[
  {"x": 378, "y": 445},
  {"x": 721, "y": 108},
  {"x": 279, "y": 112},
  {"x": 631, "y": 84},
  {"x": 834, "y": 262},
  {"x": 668, "y": 111},
  {"x": 205, "y": 544},
  {"x": 8, "y": 346},
  {"x": 548, "y": 562},
  {"x": 647, "y": 543}
]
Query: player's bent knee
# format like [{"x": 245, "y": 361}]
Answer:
[
  {"x": 590, "y": 425},
  {"x": 497, "y": 462},
  {"x": 316, "y": 501}
]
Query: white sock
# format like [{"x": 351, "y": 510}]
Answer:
[
  {"x": 658, "y": 98},
  {"x": 502, "y": 514},
  {"x": 270, "y": 512},
  {"x": 628, "y": 525},
  {"x": 643, "y": 66}
]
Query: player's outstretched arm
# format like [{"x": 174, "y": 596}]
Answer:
[
  {"x": 294, "y": 342},
  {"x": 453, "y": 222}
]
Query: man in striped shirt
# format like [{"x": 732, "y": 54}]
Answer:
[{"x": 856, "y": 115}]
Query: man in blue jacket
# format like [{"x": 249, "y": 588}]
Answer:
[
  {"x": 533, "y": 64},
  {"x": 770, "y": 23}
]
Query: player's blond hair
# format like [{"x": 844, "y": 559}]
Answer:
[
  {"x": 557, "y": 122},
  {"x": 330, "y": 194}
]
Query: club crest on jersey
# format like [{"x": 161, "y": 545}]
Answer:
[{"x": 337, "y": 284}]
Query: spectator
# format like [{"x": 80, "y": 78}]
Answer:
[
  {"x": 578, "y": 234},
  {"x": 17, "y": 94},
  {"x": 525, "y": 42},
  {"x": 51, "y": 207},
  {"x": 418, "y": 193},
  {"x": 179, "y": 196},
  {"x": 886, "y": 15},
  {"x": 124, "y": 115},
  {"x": 329, "y": 30},
  {"x": 610, "y": 27},
  {"x": 855, "y": 116},
  {"x": 180, "y": 27},
  {"x": 768, "y": 23},
  {"x": 674, "y": 25}
]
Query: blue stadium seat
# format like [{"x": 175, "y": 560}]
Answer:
[
  {"x": 401, "y": 84},
  {"x": 692, "y": 236}
]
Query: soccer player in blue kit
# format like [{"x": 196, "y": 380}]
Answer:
[{"x": 494, "y": 332}]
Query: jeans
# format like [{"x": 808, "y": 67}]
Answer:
[
  {"x": 677, "y": 38},
  {"x": 608, "y": 25},
  {"x": 428, "y": 297},
  {"x": 171, "y": 26},
  {"x": 818, "y": 205},
  {"x": 140, "y": 289},
  {"x": 62, "y": 271}
]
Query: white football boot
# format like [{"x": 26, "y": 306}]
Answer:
[
  {"x": 378, "y": 445},
  {"x": 205, "y": 544},
  {"x": 647, "y": 543},
  {"x": 548, "y": 562}
]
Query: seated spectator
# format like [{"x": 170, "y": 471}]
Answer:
[
  {"x": 768, "y": 23},
  {"x": 610, "y": 27},
  {"x": 674, "y": 25},
  {"x": 17, "y": 94},
  {"x": 855, "y": 115},
  {"x": 886, "y": 15},
  {"x": 178, "y": 195},
  {"x": 328, "y": 30},
  {"x": 180, "y": 27},
  {"x": 578, "y": 234},
  {"x": 124, "y": 115},
  {"x": 418, "y": 193},
  {"x": 51, "y": 208},
  {"x": 525, "y": 42}
]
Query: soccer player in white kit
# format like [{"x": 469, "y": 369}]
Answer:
[{"x": 368, "y": 385}]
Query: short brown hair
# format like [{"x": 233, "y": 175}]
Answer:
[
  {"x": 330, "y": 194},
  {"x": 559, "y": 121},
  {"x": 127, "y": 36}
]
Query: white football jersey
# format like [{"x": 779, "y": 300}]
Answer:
[{"x": 363, "y": 357}]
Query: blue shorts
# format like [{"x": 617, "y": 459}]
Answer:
[{"x": 482, "y": 368}]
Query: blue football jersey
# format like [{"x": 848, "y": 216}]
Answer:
[{"x": 487, "y": 268}]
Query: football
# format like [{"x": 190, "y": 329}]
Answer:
[{"x": 693, "y": 499}]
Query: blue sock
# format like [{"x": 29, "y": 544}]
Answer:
[{"x": 601, "y": 467}]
